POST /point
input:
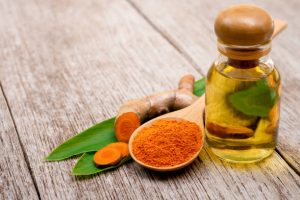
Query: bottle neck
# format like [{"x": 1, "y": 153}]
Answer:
[
  {"x": 223, "y": 60},
  {"x": 244, "y": 53},
  {"x": 243, "y": 64}
]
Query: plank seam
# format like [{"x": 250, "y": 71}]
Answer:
[
  {"x": 287, "y": 161},
  {"x": 22, "y": 146},
  {"x": 167, "y": 37}
]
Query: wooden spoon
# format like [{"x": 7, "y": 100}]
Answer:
[{"x": 192, "y": 113}]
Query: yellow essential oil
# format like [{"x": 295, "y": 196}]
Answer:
[{"x": 240, "y": 134}]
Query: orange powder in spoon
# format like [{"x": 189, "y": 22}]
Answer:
[{"x": 167, "y": 143}]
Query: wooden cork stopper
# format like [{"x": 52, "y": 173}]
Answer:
[{"x": 244, "y": 25}]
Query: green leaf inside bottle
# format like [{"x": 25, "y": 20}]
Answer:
[{"x": 256, "y": 101}]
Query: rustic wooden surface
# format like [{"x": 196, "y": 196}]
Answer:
[
  {"x": 15, "y": 179},
  {"x": 68, "y": 64}
]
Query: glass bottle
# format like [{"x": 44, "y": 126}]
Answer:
[{"x": 243, "y": 87}]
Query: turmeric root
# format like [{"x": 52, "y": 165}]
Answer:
[
  {"x": 134, "y": 112},
  {"x": 107, "y": 156},
  {"x": 121, "y": 147},
  {"x": 111, "y": 154}
]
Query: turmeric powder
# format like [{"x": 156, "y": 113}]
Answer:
[
  {"x": 134, "y": 112},
  {"x": 166, "y": 143}
]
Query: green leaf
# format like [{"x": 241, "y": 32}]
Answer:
[
  {"x": 199, "y": 87},
  {"x": 86, "y": 166},
  {"x": 256, "y": 101},
  {"x": 89, "y": 140}
]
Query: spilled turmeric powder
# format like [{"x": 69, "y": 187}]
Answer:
[{"x": 166, "y": 143}]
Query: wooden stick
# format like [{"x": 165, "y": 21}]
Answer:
[{"x": 279, "y": 25}]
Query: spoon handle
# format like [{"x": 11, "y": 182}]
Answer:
[
  {"x": 279, "y": 25},
  {"x": 195, "y": 112}
]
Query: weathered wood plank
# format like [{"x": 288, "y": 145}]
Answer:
[
  {"x": 15, "y": 179},
  {"x": 65, "y": 65},
  {"x": 188, "y": 25}
]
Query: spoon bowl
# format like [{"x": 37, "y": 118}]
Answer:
[{"x": 192, "y": 113}]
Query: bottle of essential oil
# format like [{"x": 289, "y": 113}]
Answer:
[{"x": 243, "y": 87}]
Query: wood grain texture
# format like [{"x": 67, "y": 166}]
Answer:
[
  {"x": 68, "y": 64},
  {"x": 15, "y": 179},
  {"x": 188, "y": 25}
]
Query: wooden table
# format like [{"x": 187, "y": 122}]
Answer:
[{"x": 65, "y": 65}]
